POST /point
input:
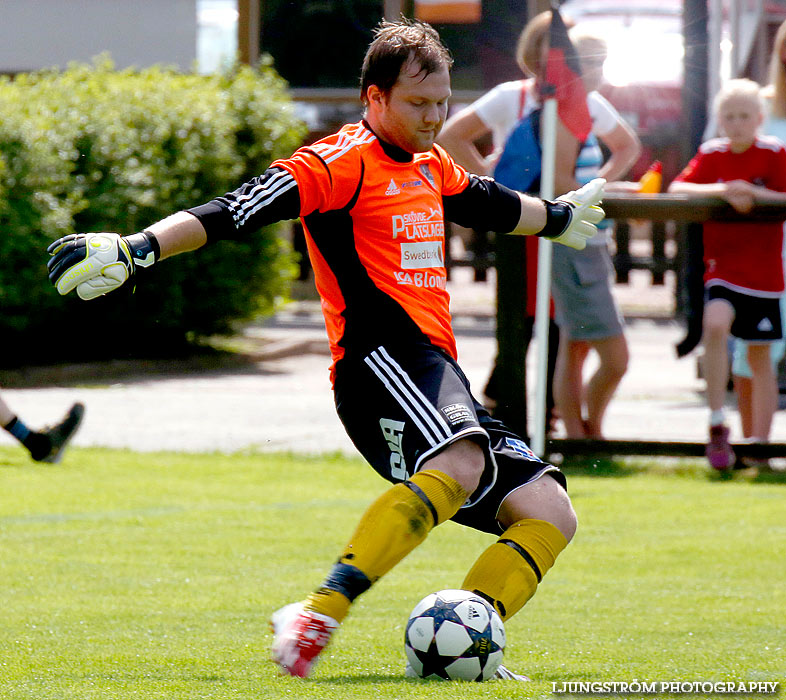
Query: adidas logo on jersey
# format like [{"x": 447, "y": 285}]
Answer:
[
  {"x": 392, "y": 189},
  {"x": 764, "y": 325}
]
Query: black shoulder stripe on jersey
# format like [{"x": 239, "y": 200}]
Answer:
[
  {"x": 355, "y": 196},
  {"x": 484, "y": 205}
]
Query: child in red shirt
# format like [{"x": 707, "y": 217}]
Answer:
[{"x": 743, "y": 270}]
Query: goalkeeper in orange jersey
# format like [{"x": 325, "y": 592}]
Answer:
[{"x": 373, "y": 199}]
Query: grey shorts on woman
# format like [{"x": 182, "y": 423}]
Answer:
[{"x": 584, "y": 305}]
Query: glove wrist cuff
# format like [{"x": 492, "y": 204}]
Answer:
[
  {"x": 558, "y": 217},
  {"x": 144, "y": 247}
]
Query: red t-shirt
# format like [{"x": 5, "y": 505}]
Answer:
[{"x": 745, "y": 256}]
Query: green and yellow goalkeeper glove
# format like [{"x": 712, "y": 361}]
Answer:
[
  {"x": 572, "y": 219},
  {"x": 97, "y": 263}
]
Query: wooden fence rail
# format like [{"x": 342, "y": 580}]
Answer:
[{"x": 658, "y": 208}]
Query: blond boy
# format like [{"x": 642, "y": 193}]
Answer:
[{"x": 743, "y": 271}]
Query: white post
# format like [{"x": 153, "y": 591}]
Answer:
[
  {"x": 548, "y": 141},
  {"x": 392, "y": 9},
  {"x": 714, "y": 63}
]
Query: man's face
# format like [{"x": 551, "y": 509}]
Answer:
[
  {"x": 412, "y": 114},
  {"x": 739, "y": 118}
]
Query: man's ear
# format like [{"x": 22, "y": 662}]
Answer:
[{"x": 374, "y": 96}]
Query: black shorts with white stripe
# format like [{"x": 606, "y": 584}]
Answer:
[
  {"x": 403, "y": 404},
  {"x": 756, "y": 318}
]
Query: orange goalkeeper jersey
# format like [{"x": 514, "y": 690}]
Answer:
[{"x": 374, "y": 218}]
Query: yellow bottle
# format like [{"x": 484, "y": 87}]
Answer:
[{"x": 652, "y": 180}]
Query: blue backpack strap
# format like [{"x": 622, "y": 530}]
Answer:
[{"x": 518, "y": 166}]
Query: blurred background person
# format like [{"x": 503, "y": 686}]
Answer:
[
  {"x": 586, "y": 313},
  {"x": 743, "y": 264}
]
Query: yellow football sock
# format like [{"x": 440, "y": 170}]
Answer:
[
  {"x": 509, "y": 571},
  {"x": 397, "y": 522}
]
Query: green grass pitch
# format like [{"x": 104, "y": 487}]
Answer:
[{"x": 129, "y": 575}]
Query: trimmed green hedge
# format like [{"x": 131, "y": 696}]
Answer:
[{"x": 95, "y": 149}]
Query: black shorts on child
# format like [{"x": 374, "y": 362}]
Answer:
[{"x": 756, "y": 319}]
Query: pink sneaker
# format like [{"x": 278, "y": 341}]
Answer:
[
  {"x": 719, "y": 452},
  {"x": 299, "y": 637}
]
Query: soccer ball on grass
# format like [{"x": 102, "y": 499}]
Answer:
[{"x": 454, "y": 635}]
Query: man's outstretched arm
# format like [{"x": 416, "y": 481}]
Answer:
[
  {"x": 571, "y": 219},
  {"x": 178, "y": 233},
  {"x": 98, "y": 263}
]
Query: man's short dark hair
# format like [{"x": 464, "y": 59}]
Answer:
[{"x": 396, "y": 43}]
